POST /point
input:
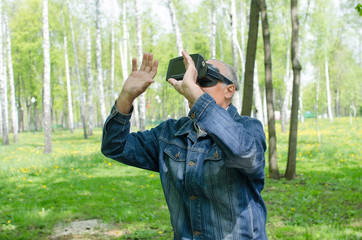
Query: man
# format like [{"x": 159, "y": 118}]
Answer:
[{"x": 211, "y": 163}]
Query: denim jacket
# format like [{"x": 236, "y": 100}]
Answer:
[{"x": 212, "y": 182}]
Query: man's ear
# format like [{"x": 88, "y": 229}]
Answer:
[{"x": 229, "y": 91}]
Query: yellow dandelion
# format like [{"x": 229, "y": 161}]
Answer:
[
  {"x": 9, "y": 221},
  {"x": 52, "y": 208},
  {"x": 44, "y": 186},
  {"x": 160, "y": 232},
  {"x": 293, "y": 209},
  {"x": 152, "y": 175},
  {"x": 85, "y": 174},
  {"x": 110, "y": 164}
]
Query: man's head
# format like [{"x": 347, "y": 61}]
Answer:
[{"x": 222, "y": 92}]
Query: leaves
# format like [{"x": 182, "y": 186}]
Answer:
[{"x": 359, "y": 9}]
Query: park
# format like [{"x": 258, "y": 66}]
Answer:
[{"x": 299, "y": 67}]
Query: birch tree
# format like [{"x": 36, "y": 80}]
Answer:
[
  {"x": 213, "y": 30},
  {"x": 328, "y": 90},
  {"x": 290, "y": 172},
  {"x": 179, "y": 43},
  {"x": 99, "y": 63},
  {"x": 142, "y": 97},
  {"x": 235, "y": 47},
  {"x": 250, "y": 58},
  {"x": 257, "y": 96},
  {"x": 47, "y": 118},
  {"x": 69, "y": 90},
  {"x": 14, "y": 113},
  {"x": 124, "y": 43},
  {"x": 89, "y": 73},
  {"x": 3, "y": 87},
  {"x": 273, "y": 165},
  {"x": 81, "y": 97}
]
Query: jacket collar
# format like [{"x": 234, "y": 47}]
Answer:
[{"x": 188, "y": 126}]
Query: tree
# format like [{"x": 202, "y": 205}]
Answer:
[
  {"x": 69, "y": 90},
  {"x": 47, "y": 118},
  {"x": 213, "y": 30},
  {"x": 179, "y": 43},
  {"x": 3, "y": 88},
  {"x": 89, "y": 74},
  {"x": 81, "y": 97},
  {"x": 250, "y": 57},
  {"x": 99, "y": 63},
  {"x": 290, "y": 172},
  {"x": 273, "y": 165},
  {"x": 14, "y": 113},
  {"x": 142, "y": 97}
]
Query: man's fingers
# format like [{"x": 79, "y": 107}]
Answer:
[
  {"x": 134, "y": 64},
  {"x": 144, "y": 62},
  {"x": 154, "y": 69}
]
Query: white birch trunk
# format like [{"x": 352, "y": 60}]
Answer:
[
  {"x": 14, "y": 113},
  {"x": 235, "y": 50},
  {"x": 81, "y": 96},
  {"x": 112, "y": 65},
  {"x": 213, "y": 30},
  {"x": 3, "y": 88},
  {"x": 142, "y": 97},
  {"x": 47, "y": 117},
  {"x": 99, "y": 64},
  {"x": 284, "y": 116},
  {"x": 179, "y": 43},
  {"x": 329, "y": 100},
  {"x": 69, "y": 90},
  {"x": 89, "y": 76},
  {"x": 123, "y": 45},
  {"x": 257, "y": 96}
]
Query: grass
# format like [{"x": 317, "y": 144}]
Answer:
[{"x": 76, "y": 182}]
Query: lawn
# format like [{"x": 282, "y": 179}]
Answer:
[{"x": 76, "y": 182}]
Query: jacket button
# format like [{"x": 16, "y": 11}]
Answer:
[
  {"x": 193, "y": 197},
  {"x": 197, "y": 233},
  {"x": 177, "y": 154},
  {"x": 216, "y": 154},
  {"x": 191, "y": 163},
  {"x": 193, "y": 115}
]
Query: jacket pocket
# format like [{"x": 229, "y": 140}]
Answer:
[
  {"x": 175, "y": 160},
  {"x": 215, "y": 171}
]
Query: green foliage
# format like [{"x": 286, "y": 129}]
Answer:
[
  {"x": 359, "y": 9},
  {"x": 76, "y": 182}
]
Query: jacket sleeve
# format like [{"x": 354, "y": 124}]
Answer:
[
  {"x": 135, "y": 149},
  {"x": 242, "y": 141}
]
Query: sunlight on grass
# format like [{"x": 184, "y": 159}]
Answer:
[{"x": 77, "y": 182}]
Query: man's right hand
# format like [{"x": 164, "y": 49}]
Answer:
[{"x": 137, "y": 82}]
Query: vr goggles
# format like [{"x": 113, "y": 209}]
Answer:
[{"x": 208, "y": 75}]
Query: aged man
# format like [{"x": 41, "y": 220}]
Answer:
[{"x": 211, "y": 163}]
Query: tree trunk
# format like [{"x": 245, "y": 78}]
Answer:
[
  {"x": 99, "y": 63},
  {"x": 329, "y": 100},
  {"x": 47, "y": 117},
  {"x": 290, "y": 172},
  {"x": 257, "y": 98},
  {"x": 112, "y": 65},
  {"x": 179, "y": 43},
  {"x": 81, "y": 97},
  {"x": 213, "y": 30},
  {"x": 284, "y": 116},
  {"x": 250, "y": 58},
  {"x": 123, "y": 46},
  {"x": 3, "y": 88},
  {"x": 235, "y": 48},
  {"x": 142, "y": 97},
  {"x": 89, "y": 76},
  {"x": 14, "y": 114},
  {"x": 273, "y": 164},
  {"x": 69, "y": 90}
]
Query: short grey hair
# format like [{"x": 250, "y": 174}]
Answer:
[{"x": 230, "y": 73}]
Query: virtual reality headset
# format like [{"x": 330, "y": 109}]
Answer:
[{"x": 208, "y": 75}]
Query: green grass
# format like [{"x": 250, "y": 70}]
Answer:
[{"x": 76, "y": 182}]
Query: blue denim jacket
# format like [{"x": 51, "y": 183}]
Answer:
[{"x": 212, "y": 182}]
